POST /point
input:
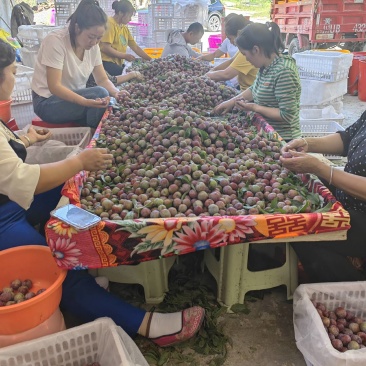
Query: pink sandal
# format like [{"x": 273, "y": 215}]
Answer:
[{"x": 192, "y": 319}]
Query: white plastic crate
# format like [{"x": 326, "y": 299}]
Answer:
[
  {"x": 160, "y": 37},
  {"x": 63, "y": 142},
  {"x": 320, "y": 128},
  {"x": 161, "y": 24},
  {"x": 314, "y": 92},
  {"x": 61, "y": 20},
  {"x": 323, "y": 65},
  {"x": 23, "y": 113},
  {"x": 34, "y": 34},
  {"x": 161, "y": 10},
  {"x": 311, "y": 337},
  {"x": 337, "y": 104},
  {"x": 321, "y": 115},
  {"x": 22, "y": 92},
  {"x": 106, "y": 5},
  {"x": 98, "y": 341},
  {"x": 29, "y": 56},
  {"x": 65, "y": 9}
]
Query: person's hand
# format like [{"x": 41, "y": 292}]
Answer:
[
  {"x": 121, "y": 94},
  {"x": 129, "y": 57},
  {"x": 95, "y": 159},
  {"x": 137, "y": 75},
  {"x": 224, "y": 107},
  {"x": 97, "y": 103},
  {"x": 246, "y": 105},
  {"x": 39, "y": 135},
  {"x": 299, "y": 145},
  {"x": 300, "y": 162}
]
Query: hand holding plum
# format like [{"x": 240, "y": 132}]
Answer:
[
  {"x": 38, "y": 135},
  {"x": 246, "y": 105},
  {"x": 224, "y": 107},
  {"x": 299, "y": 162},
  {"x": 300, "y": 145},
  {"x": 95, "y": 159}
]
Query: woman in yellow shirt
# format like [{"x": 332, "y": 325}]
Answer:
[
  {"x": 114, "y": 43},
  {"x": 238, "y": 65}
]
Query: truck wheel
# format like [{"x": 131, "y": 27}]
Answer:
[{"x": 294, "y": 46}]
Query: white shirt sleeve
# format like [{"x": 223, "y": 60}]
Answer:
[
  {"x": 98, "y": 57},
  {"x": 18, "y": 180},
  {"x": 55, "y": 55},
  {"x": 224, "y": 46}
]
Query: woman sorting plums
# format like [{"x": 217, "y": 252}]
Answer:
[{"x": 328, "y": 261}]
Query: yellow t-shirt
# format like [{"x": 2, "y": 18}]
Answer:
[
  {"x": 247, "y": 72},
  {"x": 119, "y": 37}
]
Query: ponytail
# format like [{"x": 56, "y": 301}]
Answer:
[
  {"x": 88, "y": 14},
  {"x": 123, "y": 6},
  {"x": 265, "y": 36},
  {"x": 235, "y": 23}
]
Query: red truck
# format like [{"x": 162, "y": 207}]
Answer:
[{"x": 307, "y": 24}]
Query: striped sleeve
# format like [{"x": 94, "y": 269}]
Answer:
[{"x": 287, "y": 94}]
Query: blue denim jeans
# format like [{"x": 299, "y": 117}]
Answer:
[
  {"x": 56, "y": 110},
  {"x": 81, "y": 295}
]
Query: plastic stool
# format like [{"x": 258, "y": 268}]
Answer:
[
  {"x": 152, "y": 275},
  {"x": 36, "y": 121},
  {"x": 234, "y": 279}
]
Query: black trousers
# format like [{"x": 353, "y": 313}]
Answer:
[
  {"x": 112, "y": 68},
  {"x": 326, "y": 261}
]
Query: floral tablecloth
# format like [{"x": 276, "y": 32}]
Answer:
[{"x": 113, "y": 243}]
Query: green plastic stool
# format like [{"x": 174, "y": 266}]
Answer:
[
  {"x": 152, "y": 275},
  {"x": 234, "y": 279}
]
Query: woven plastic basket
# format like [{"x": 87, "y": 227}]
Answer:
[
  {"x": 99, "y": 341},
  {"x": 318, "y": 129},
  {"x": 73, "y": 140},
  {"x": 323, "y": 66}
]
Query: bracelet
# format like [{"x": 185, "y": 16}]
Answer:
[
  {"x": 306, "y": 143},
  {"x": 331, "y": 174},
  {"x": 28, "y": 139}
]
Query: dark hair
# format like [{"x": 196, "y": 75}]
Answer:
[
  {"x": 88, "y": 14},
  {"x": 228, "y": 17},
  {"x": 123, "y": 6},
  {"x": 7, "y": 56},
  {"x": 266, "y": 36},
  {"x": 196, "y": 28},
  {"x": 235, "y": 24}
]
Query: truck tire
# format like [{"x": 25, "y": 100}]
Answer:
[{"x": 294, "y": 46}]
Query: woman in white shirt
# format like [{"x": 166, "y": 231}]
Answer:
[
  {"x": 29, "y": 192},
  {"x": 65, "y": 61},
  {"x": 226, "y": 47}
]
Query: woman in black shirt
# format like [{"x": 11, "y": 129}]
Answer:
[{"x": 328, "y": 261}]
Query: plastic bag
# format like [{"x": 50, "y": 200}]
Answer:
[{"x": 311, "y": 338}]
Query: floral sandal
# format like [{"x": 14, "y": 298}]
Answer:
[{"x": 192, "y": 319}]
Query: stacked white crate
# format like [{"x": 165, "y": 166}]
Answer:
[
  {"x": 164, "y": 15},
  {"x": 31, "y": 37},
  {"x": 323, "y": 76},
  {"x": 64, "y": 8},
  {"x": 22, "y": 106}
]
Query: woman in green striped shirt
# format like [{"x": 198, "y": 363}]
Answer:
[{"x": 275, "y": 93}]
